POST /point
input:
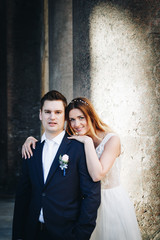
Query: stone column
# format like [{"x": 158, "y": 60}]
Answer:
[
  {"x": 45, "y": 50},
  {"x": 21, "y": 80},
  {"x": 81, "y": 46},
  {"x": 3, "y": 96},
  {"x": 60, "y": 47}
]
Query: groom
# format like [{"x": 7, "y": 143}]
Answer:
[{"x": 56, "y": 198}]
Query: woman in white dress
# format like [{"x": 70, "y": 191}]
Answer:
[{"x": 116, "y": 216}]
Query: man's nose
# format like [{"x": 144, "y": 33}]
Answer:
[{"x": 52, "y": 115}]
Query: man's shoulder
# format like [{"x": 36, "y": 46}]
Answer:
[
  {"x": 77, "y": 147},
  {"x": 39, "y": 145},
  {"x": 74, "y": 142},
  {"x": 77, "y": 143},
  {"x": 39, "y": 142}
]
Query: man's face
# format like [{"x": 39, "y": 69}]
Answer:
[{"x": 52, "y": 116}]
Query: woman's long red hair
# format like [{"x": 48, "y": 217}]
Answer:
[{"x": 93, "y": 120}]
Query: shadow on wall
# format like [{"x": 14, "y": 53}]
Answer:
[{"x": 124, "y": 91}]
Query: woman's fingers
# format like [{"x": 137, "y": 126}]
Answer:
[
  {"x": 29, "y": 150},
  {"x": 73, "y": 137},
  {"x": 78, "y": 138},
  {"x": 26, "y": 152},
  {"x": 81, "y": 138},
  {"x": 34, "y": 144},
  {"x": 26, "y": 148},
  {"x": 23, "y": 152}
]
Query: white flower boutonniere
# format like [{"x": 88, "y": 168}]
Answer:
[{"x": 63, "y": 161}]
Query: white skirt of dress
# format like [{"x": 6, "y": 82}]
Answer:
[{"x": 116, "y": 217}]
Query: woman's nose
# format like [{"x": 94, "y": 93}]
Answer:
[{"x": 77, "y": 123}]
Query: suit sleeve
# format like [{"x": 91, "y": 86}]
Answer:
[
  {"x": 21, "y": 203},
  {"x": 90, "y": 192}
]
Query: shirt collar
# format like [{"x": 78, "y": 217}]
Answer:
[{"x": 57, "y": 139}]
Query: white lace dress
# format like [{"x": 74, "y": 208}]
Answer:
[{"x": 116, "y": 216}]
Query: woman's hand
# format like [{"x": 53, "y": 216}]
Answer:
[
  {"x": 26, "y": 148},
  {"x": 82, "y": 138}
]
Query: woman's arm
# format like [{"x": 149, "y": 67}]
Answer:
[
  {"x": 99, "y": 167},
  {"x": 26, "y": 148}
]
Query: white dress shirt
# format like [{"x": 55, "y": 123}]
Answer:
[{"x": 50, "y": 149}]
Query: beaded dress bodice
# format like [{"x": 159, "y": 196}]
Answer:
[{"x": 112, "y": 178}]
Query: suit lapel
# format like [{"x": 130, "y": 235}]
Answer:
[
  {"x": 61, "y": 151},
  {"x": 38, "y": 162}
]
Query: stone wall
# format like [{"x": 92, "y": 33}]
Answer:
[
  {"x": 116, "y": 63},
  {"x": 115, "y": 53}
]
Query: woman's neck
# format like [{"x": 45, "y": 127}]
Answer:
[{"x": 96, "y": 140}]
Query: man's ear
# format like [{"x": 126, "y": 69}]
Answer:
[{"x": 40, "y": 114}]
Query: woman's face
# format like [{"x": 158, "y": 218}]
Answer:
[{"x": 78, "y": 121}]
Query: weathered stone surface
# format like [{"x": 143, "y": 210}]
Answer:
[
  {"x": 61, "y": 47},
  {"x": 116, "y": 50},
  {"x": 22, "y": 82},
  {"x": 123, "y": 78}
]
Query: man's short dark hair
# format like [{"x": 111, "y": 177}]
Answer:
[{"x": 53, "y": 95}]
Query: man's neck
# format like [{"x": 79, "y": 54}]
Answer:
[{"x": 50, "y": 136}]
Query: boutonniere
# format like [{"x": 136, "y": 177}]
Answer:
[{"x": 63, "y": 163}]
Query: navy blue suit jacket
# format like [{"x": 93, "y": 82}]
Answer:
[{"x": 69, "y": 202}]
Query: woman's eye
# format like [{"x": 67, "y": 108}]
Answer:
[
  {"x": 81, "y": 118},
  {"x": 71, "y": 120}
]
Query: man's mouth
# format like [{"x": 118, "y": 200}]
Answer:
[{"x": 52, "y": 124}]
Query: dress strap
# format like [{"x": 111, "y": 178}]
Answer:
[
  {"x": 108, "y": 136},
  {"x": 105, "y": 139}
]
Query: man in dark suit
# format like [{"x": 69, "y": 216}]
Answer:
[{"x": 56, "y": 199}]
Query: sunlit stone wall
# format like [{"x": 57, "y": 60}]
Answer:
[
  {"x": 124, "y": 70},
  {"x": 117, "y": 65}
]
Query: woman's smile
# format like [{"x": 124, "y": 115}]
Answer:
[{"x": 78, "y": 121}]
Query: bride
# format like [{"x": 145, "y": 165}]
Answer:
[{"x": 116, "y": 216}]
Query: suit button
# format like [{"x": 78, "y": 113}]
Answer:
[{"x": 43, "y": 194}]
